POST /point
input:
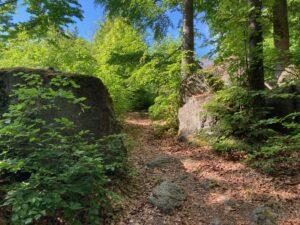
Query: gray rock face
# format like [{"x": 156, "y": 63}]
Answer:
[
  {"x": 99, "y": 119},
  {"x": 167, "y": 196},
  {"x": 160, "y": 161},
  {"x": 290, "y": 73},
  {"x": 192, "y": 116},
  {"x": 263, "y": 216}
]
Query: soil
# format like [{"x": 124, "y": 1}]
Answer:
[{"x": 218, "y": 191}]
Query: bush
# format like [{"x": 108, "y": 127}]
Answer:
[
  {"x": 234, "y": 114},
  {"x": 142, "y": 99},
  {"x": 240, "y": 128},
  {"x": 51, "y": 168}
]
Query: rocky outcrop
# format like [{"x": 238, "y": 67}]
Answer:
[
  {"x": 192, "y": 85},
  {"x": 99, "y": 119},
  {"x": 195, "y": 91}
]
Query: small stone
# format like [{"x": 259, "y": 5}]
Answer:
[
  {"x": 229, "y": 202},
  {"x": 216, "y": 221},
  {"x": 208, "y": 184},
  {"x": 226, "y": 201},
  {"x": 167, "y": 196},
  {"x": 158, "y": 221},
  {"x": 263, "y": 216}
]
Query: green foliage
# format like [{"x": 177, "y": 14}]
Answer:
[
  {"x": 240, "y": 128},
  {"x": 228, "y": 23},
  {"x": 142, "y": 14},
  {"x": 65, "y": 53},
  {"x": 138, "y": 77},
  {"x": 293, "y": 8},
  {"x": 162, "y": 73},
  {"x": 54, "y": 13},
  {"x": 52, "y": 168},
  {"x": 119, "y": 50},
  {"x": 232, "y": 108},
  {"x": 43, "y": 14},
  {"x": 7, "y": 8},
  {"x": 215, "y": 83}
]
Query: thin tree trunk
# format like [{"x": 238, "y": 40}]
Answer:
[
  {"x": 188, "y": 62},
  {"x": 281, "y": 35},
  {"x": 188, "y": 38},
  {"x": 256, "y": 65}
]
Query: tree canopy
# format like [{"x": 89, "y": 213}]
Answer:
[{"x": 43, "y": 14}]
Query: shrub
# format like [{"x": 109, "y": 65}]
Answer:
[
  {"x": 241, "y": 128},
  {"x": 234, "y": 114}
]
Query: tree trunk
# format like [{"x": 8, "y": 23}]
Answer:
[
  {"x": 188, "y": 62},
  {"x": 188, "y": 38},
  {"x": 256, "y": 65},
  {"x": 281, "y": 35}
]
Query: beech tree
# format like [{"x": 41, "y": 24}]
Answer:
[
  {"x": 281, "y": 35},
  {"x": 256, "y": 65},
  {"x": 188, "y": 38}
]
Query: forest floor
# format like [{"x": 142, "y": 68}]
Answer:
[{"x": 219, "y": 192}]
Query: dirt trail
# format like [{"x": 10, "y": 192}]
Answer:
[{"x": 219, "y": 192}]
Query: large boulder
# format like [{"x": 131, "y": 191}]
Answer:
[
  {"x": 99, "y": 118},
  {"x": 195, "y": 91},
  {"x": 192, "y": 116}
]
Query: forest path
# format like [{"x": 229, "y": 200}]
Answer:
[{"x": 219, "y": 192}]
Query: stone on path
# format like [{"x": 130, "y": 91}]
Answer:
[
  {"x": 209, "y": 184},
  {"x": 263, "y": 216},
  {"x": 167, "y": 196},
  {"x": 216, "y": 221},
  {"x": 160, "y": 161}
]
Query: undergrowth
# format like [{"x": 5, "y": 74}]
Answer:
[{"x": 267, "y": 142}]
